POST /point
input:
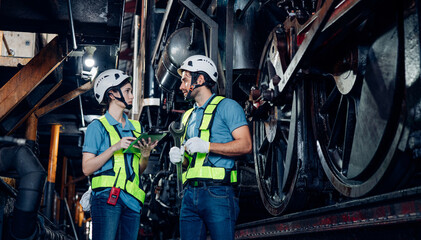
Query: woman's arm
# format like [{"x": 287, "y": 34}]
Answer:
[{"x": 91, "y": 162}]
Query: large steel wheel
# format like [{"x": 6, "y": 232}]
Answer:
[
  {"x": 274, "y": 143},
  {"x": 357, "y": 118}
]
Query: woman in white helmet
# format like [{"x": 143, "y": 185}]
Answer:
[
  {"x": 117, "y": 196},
  {"x": 216, "y": 134}
]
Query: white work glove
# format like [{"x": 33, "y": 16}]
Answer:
[
  {"x": 85, "y": 201},
  {"x": 194, "y": 145},
  {"x": 176, "y": 154}
]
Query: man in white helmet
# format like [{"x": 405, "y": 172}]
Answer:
[
  {"x": 216, "y": 133},
  {"x": 117, "y": 195}
]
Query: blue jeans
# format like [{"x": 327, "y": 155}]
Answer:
[
  {"x": 213, "y": 208},
  {"x": 113, "y": 222}
]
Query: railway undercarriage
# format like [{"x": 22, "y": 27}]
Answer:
[{"x": 332, "y": 93}]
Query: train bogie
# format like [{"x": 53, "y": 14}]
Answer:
[{"x": 332, "y": 99}]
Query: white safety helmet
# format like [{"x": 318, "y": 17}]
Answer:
[
  {"x": 107, "y": 79},
  {"x": 197, "y": 63}
]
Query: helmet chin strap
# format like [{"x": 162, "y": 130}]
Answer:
[
  {"x": 193, "y": 86},
  {"x": 121, "y": 99}
]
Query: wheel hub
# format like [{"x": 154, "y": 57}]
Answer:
[
  {"x": 345, "y": 72},
  {"x": 270, "y": 129}
]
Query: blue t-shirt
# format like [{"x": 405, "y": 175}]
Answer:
[
  {"x": 97, "y": 141},
  {"x": 228, "y": 116}
]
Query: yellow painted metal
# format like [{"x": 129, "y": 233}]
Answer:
[{"x": 52, "y": 161}]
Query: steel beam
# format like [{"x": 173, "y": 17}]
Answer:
[
  {"x": 213, "y": 27},
  {"x": 309, "y": 41},
  {"x": 380, "y": 212},
  {"x": 161, "y": 29},
  {"x": 229, "y": 48}
]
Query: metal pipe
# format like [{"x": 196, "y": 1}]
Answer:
[
  {"x": 221, "y": 80},
  {"x": 72, "y": 27},
  {"x": 31, "y": 182},
  {"x": 161, "y": 30},
  {"x": 121, "y": 32},
  {"x": 52, "y": 161},
  {"x": 149, "y": 117},
  {"x": 52, "y": 167},
  {"x": 80, "y": 106},
  {"x": 71, "y": 219},
  {"x": 31, "y": 130},
  {"x": 181, "y": 19},
  {"x": 205, "y": 40},
  {"x": 229, "y": 50},
  {"x": 135, "y": 109},
  {"x": 418, "y": 9},
  {"x": 245, "y": 9},
  {"x": 192, "y": 27},
  {"x": 213, "y": 27},
  {"x": 62, "y": 187}
]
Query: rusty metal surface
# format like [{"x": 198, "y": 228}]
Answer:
[
  {"x": 29, "y": 77},
  {"x": 311, "y": 35},
  {"x": 402, "y": 207},
  {"x": 331, "y": 13}
]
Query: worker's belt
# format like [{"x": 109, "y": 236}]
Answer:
[
  {"x": 229, "y": 180},
  {"x": 199, "y": 184}
]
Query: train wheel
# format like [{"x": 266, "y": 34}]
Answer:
[
  {"x": 275, "y": 145},
  {"x": 357, "y": 118}
]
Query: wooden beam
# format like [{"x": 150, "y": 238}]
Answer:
[
  {"x": 64, "y": 99},
  {"x": 31, "y": 128},
  {"x": 74, "y": 181},
  {"x": 30, "y": 76},
  {"x": 13, "y": 61},
  {"x": 52, "y": 90}
]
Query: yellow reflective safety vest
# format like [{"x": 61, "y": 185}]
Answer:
[
  {"x": 195, "y": 170},
  {"x": 130, "y": 184}
]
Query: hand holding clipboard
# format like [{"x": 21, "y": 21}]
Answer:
[{"x": 144, "y": 138}]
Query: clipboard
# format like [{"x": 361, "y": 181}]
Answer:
[{"x": 154, "y": 137}]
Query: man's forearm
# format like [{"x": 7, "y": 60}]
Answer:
[{"x": 234, "y": 148}]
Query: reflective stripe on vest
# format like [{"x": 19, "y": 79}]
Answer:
[
  {"x": 196, "y": 170},
  {"x": 119, "y": 163}
]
